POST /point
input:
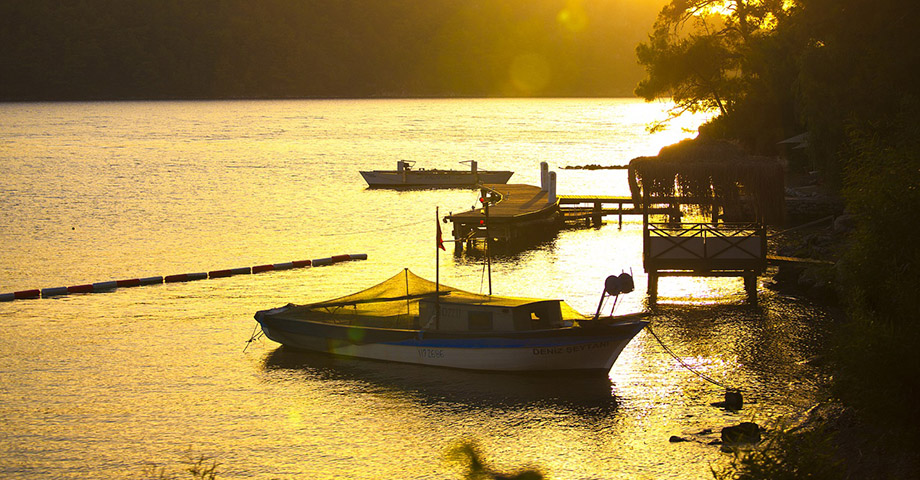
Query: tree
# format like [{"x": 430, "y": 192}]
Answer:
[
  {"x": 730, "y": 56},
  {"x": 857, "y": 73}
]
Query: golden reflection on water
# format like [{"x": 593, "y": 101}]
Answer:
[
  {"x": 700, "y": 290},
  {"x": 98, "y": 385}
]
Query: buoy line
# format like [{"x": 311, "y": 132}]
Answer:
[{"x": 182, "y": 277}]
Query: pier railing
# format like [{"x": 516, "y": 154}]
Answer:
[{"x": 704, "y": 249}]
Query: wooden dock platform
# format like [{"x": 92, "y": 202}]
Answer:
[
  {"x": 514, "y": 211},
  {"x": 781, "y": 260},
  {"x": 518, "y": 211},
  {"x": 704, "y": 250}
]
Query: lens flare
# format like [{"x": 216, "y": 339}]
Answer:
[
  {"x": 529, "y": 73},
  {"x": 573, "y": 17}
]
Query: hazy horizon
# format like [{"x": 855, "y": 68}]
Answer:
[{"x": 100, "y": 50}]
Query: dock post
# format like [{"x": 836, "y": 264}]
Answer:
[
  {"x": 544, "y": 176},
  {"x": 620, "y": 214},
  {"x": 596, "y": 215},
  {"x": 750, "y": 286},
  {"x": 653, "y": 287},
  {"x": 551, "y": 193},
  {"x": 674, "y": 214}
]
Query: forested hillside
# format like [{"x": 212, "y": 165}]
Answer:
[{"x": 127, "y": 49}]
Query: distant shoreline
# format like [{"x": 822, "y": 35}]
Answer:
[
  {"x": 4, "y": 99},
  {"x": 595, "y": 167}
]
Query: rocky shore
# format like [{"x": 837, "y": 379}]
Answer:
[
  {"x": 831, "y": 439},
  {"x": 818, "y": 226}
]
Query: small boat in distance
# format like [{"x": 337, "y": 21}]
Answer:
[
  {"x": 412, "y": 320},
  {"x": 406, "y": 176}
]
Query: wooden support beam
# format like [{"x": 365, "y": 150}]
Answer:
[
  {"x": 653, "y": 287},
  {"x": 750, "y": 286}
]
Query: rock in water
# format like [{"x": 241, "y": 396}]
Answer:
[
  {"x": 733, "y": 401},
  {"x": 744, "y": 432}
]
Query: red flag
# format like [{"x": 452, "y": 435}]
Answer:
[{"x": 440, "y": 240}]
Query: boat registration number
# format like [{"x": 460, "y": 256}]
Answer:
[{"x": 430, "y": 353}]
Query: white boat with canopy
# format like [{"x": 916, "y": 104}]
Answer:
[{"x": 413, "y": 320}]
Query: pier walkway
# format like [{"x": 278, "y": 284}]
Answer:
[
  {"x": 518, "y": 211},
  {"x": 524, "y": 212},
  {"x": 591, "y": 209},
  {"x": 514, "y": 212}
]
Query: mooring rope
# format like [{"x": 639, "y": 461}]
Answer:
[
  {"x": 688, "y": 367},
  {"x": 255, "y": 336}
]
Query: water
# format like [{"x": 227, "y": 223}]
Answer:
[{"x": 110, "y": 385}]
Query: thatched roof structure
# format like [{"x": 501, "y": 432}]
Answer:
[{"x": 711, "y": 174}]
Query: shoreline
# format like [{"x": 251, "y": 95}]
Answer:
[{"x": 835, "y": 438}]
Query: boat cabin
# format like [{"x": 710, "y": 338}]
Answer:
[
  {"x": 403, "y": 166},
  {"x": 498, "y": 315}
]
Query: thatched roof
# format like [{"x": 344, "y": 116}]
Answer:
[{"x": 707, "y": 172}]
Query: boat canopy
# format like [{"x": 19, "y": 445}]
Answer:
[{"x": 399, "y": 296}]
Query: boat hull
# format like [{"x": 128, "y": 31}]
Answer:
[
  {"x": 593, "y": 349},
  {"x": 433, "y": 178}
]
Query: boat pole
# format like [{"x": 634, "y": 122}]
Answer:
[
  {"x": 408, "y": 309},
  {"x": 437, "y": 271},
  {"x": 488, "y": 241}
]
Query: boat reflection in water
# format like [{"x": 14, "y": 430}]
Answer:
[{"x": 588, "y": 395}]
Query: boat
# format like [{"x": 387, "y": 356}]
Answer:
[
  {"x": 409, "y": 319},
  {"x": 406, "y": 175}
]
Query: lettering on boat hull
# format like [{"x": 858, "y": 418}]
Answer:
[
  {"x": 569, "y": 349},
  {"x": 430, "y": 353}
]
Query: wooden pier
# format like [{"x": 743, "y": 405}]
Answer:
[
  {"x": 704, "y": 250},
  {"x": 717, "y": 176},
  {"x": 522, "y": 212},
  {"x": 591, "y": 209},
  {"x": 515, "y": 212},
  {"x": 511, "y": 213}
]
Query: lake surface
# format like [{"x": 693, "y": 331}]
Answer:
[{"x": 112, "y": 385}]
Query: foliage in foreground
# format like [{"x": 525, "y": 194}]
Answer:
[
  {"x": 877, "y": 350},
  {"x": 466, "y": 453},
  {"x": 786, "y": 456},
  {"x": 470, "y": 456},
  {"x": 197, "y": 468}
]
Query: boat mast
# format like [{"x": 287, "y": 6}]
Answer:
[
  {"x": 486, "y": 199},
  {"x": 488, "y": 251},
  {"x": 437, "y": 272},
  {"x": 408, "y": 308}
]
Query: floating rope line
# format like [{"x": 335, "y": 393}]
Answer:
[
  {"x": 688, "y": 367},
  {"x": 182, "y": 277}
]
